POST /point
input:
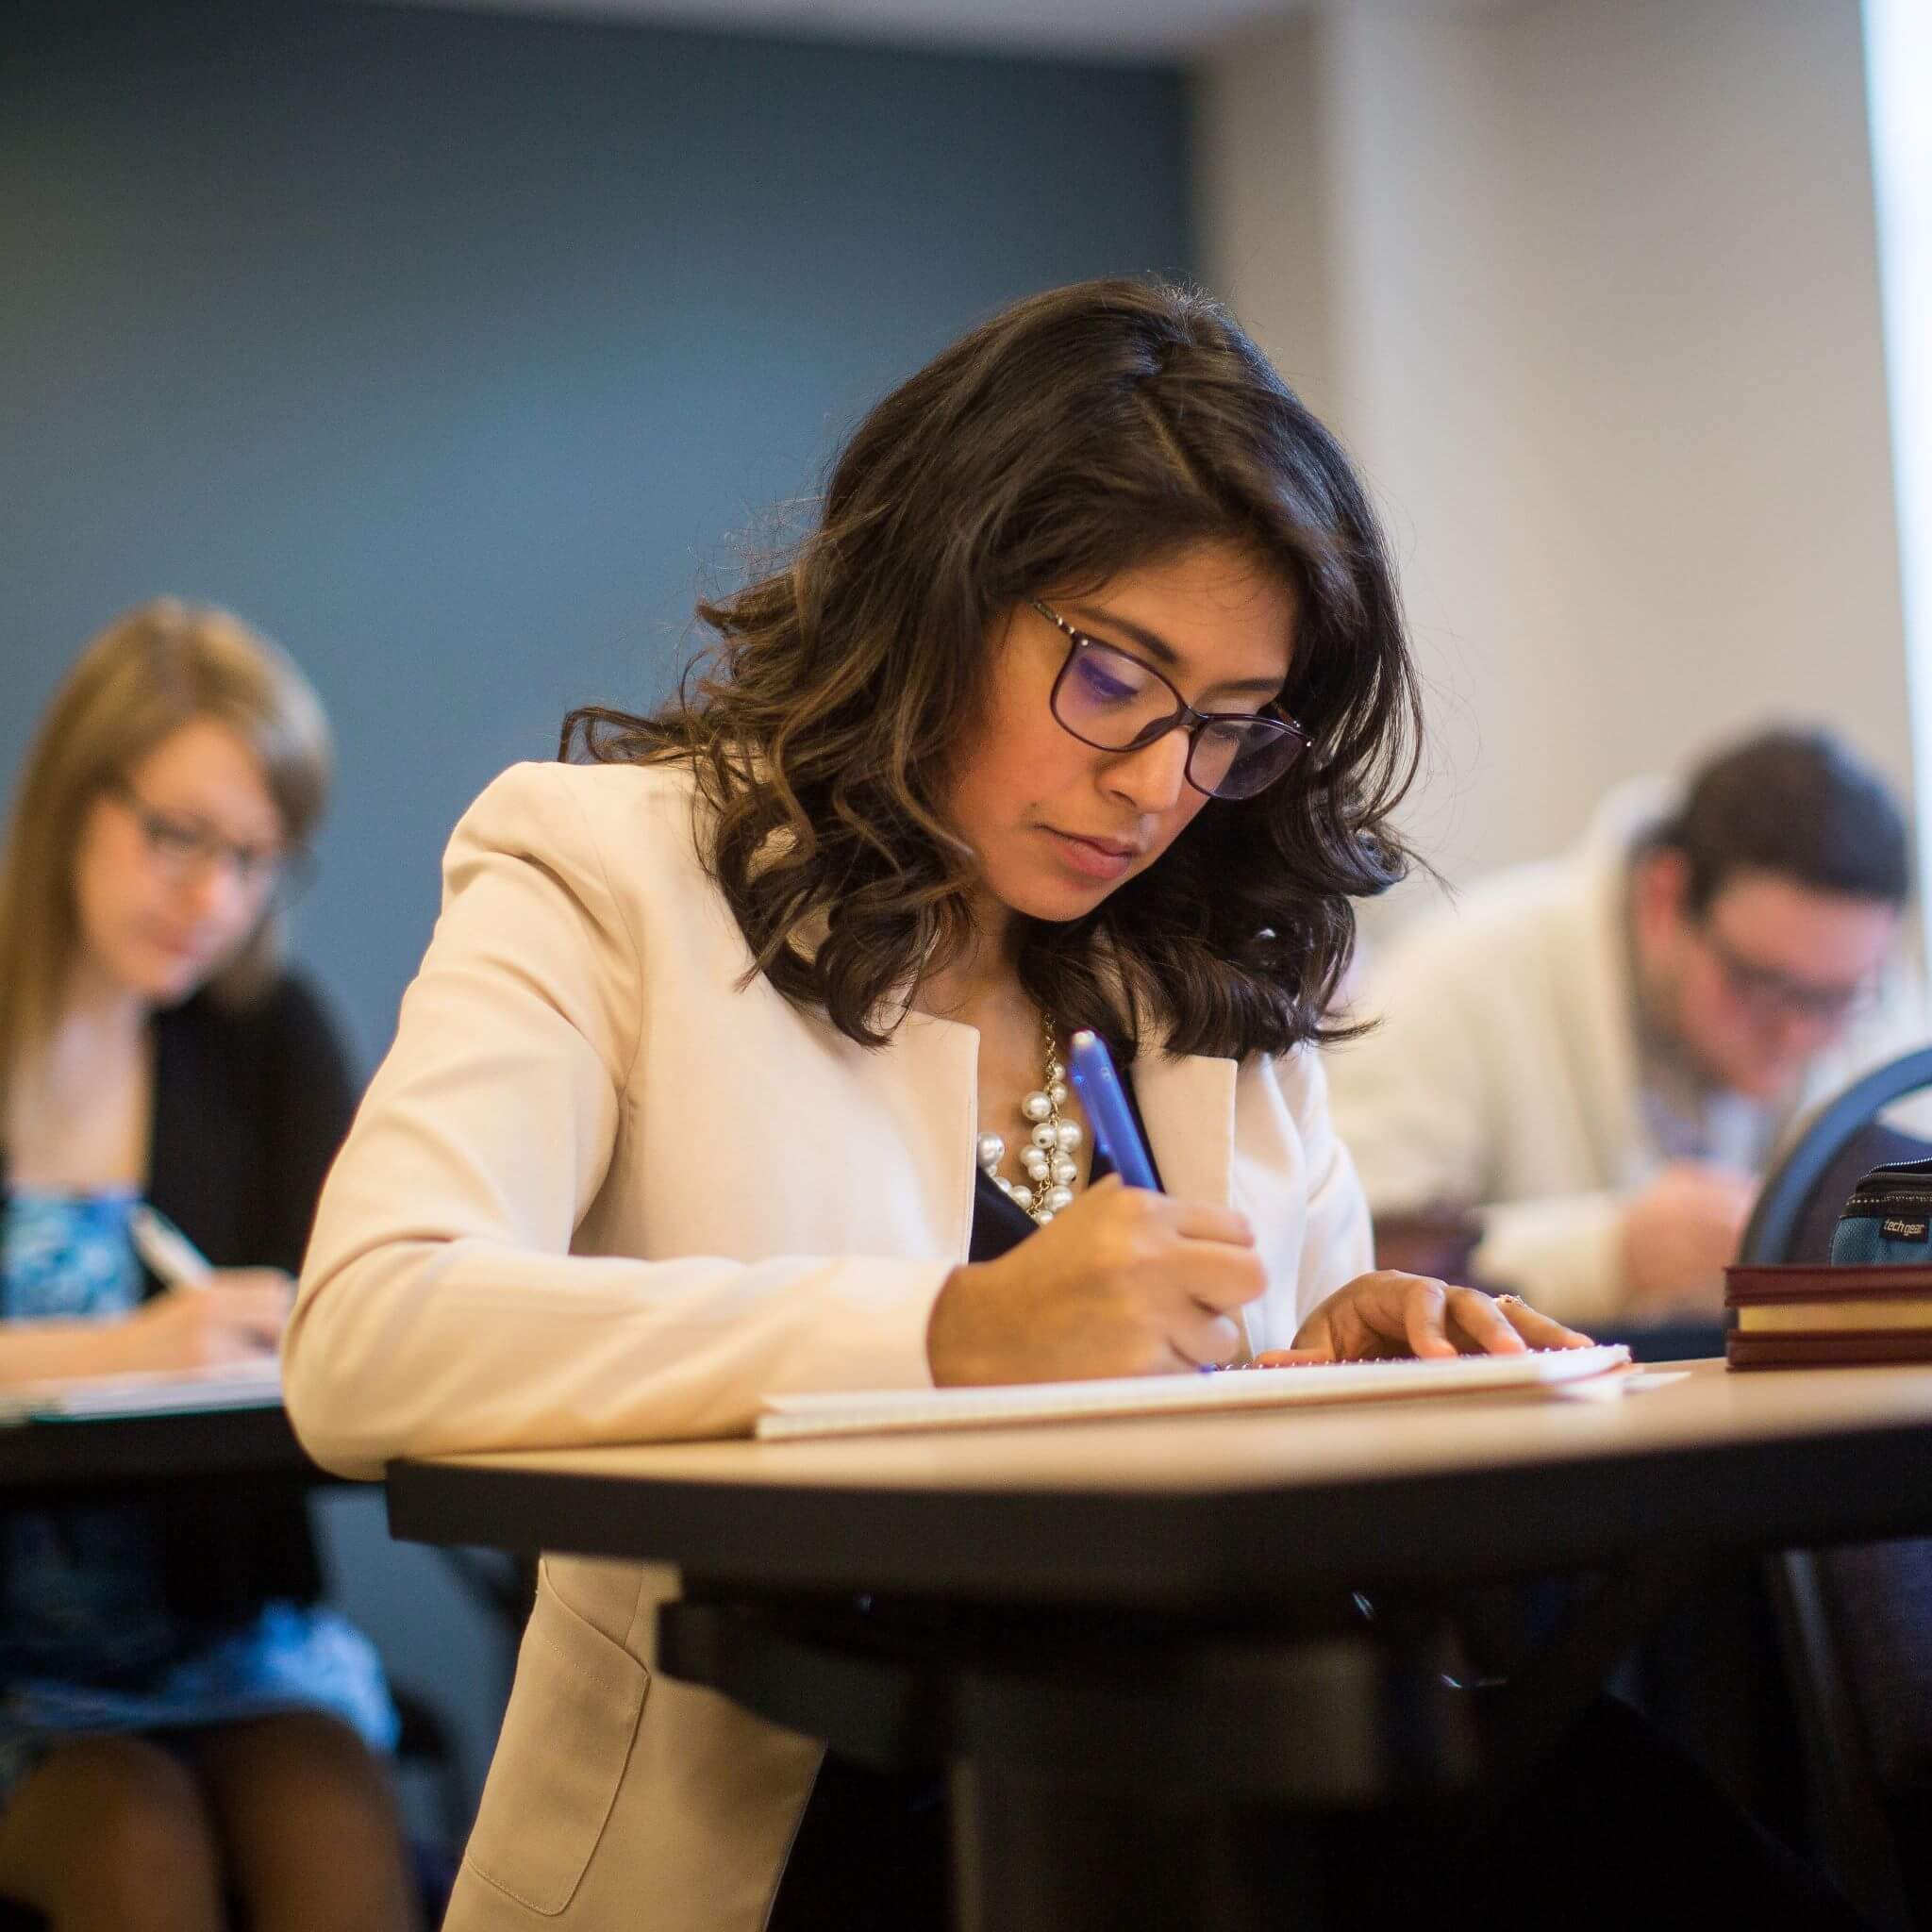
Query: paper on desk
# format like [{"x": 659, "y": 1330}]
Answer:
[
  {"x": 255, "y": 1383},
  {"x": 1632, "y": 1381},
  {"x": 862, "y": 1412}
]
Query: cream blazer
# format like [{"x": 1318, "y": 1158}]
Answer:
[
  {"x": 603, "y": 1190},
  {"x": 1502, "y": 1069}
]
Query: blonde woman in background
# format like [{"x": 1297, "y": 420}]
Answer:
[{"x": 179, "y": 1726}]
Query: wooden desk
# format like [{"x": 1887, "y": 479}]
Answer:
[
  {"x": 1226, "y": 1509},
  {"x": 1178, "y": 1588}
]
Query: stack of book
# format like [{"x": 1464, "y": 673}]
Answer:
[{"x": 1813, "y": 1315}]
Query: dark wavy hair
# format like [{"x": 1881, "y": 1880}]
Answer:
[{"x": 1077, "y": 435}]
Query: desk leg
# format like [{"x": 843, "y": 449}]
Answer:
[
  {"x": 1189, "y": 1791},
  {"x": 1109, "y": 1771},
  {"x": 1033, "y": 1856}
]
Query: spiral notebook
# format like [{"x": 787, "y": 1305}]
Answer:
[{"x": 866, "y": 1412}]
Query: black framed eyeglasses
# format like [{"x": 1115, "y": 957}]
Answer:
[
  {"x": 1111, "y": 700},
  {"x": 1772, "y": 993},
  {"x": 183, "y": 849}
]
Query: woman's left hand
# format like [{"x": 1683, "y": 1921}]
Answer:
[{"x": 1385, "y": 1314}]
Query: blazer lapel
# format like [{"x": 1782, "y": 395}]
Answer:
[{"x": 1188, "y": 1103}]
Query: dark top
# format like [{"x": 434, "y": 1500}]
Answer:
[{"x": 250, "y": 1105}]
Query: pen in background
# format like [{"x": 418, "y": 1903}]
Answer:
[{"x": 176, "y": 1260}]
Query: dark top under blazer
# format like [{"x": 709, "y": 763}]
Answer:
[{"x": 250, "y": 1105}]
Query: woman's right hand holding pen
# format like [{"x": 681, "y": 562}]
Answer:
[
  {"x": 237, "y": 1316},
  {"x": 1125, "y": 1282}
]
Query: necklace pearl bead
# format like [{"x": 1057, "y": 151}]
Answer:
[{"x": 1047, "y": 1163}]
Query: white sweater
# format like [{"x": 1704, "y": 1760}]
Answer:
[{"x": 1504, "y": 1069}]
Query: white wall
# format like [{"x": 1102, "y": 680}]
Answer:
[
  {"x": 1591, "y": 290},
  {"x": 1898, "y": 64}
]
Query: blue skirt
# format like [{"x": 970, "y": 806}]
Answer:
[
  {"x": 288, "y": 1659},
  {"x": 90, "y": 1645}
]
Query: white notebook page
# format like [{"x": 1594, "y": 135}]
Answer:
[{"x": 874, "y": 1411}]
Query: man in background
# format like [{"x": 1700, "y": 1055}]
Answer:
[{"x": 1598, "y": 1054}]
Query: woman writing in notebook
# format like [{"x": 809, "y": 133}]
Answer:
[
  {"x": 735, "y": 1064},
  {"x": 169, "y": 1706}
]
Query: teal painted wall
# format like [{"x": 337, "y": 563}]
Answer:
[{"x": 456, "y": 349}]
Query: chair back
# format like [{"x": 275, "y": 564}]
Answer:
[
  {"x": 1857, "y": 1621},
  {"x": 1818, "y": 1153}
]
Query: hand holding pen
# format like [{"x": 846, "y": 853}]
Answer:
[
  {"x": 207, "y": 1315},
  {"x": 1126, "y": 1281}
]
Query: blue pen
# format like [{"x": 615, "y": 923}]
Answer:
[
  {"x": 1114, "y": 1132},
  {"x": 1090, "y": 1067}
]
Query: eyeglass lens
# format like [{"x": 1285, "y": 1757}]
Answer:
[
  {"x": 1110, "y": 701},
  {"x": 186, "y": 851},
  {"x": 1766, "y": 988}
]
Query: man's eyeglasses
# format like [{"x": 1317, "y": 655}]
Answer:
[
  {"x": 184, "y": 850},
  {"x": 1114, "y": 702},
  {"x": 1773, "y": 993}
]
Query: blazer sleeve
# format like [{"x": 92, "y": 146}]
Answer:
[{"x": 441, "y": 1309}]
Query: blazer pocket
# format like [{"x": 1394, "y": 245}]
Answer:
[{"x": 566, "y": 1739}]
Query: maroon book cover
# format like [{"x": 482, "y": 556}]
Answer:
[
  {"x": 1868, "y": 1288},
  {"x": 1841, "y": 1349},
  {"x": 1802, "y": 1281}
]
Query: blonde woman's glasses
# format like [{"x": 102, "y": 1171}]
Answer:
[{"x": 185, "y": 849}]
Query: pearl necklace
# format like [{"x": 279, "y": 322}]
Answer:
[{"x": 1048, "y": 1161}]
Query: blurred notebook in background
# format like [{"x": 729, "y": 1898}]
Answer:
[{"x": 253, "y": 1384}]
